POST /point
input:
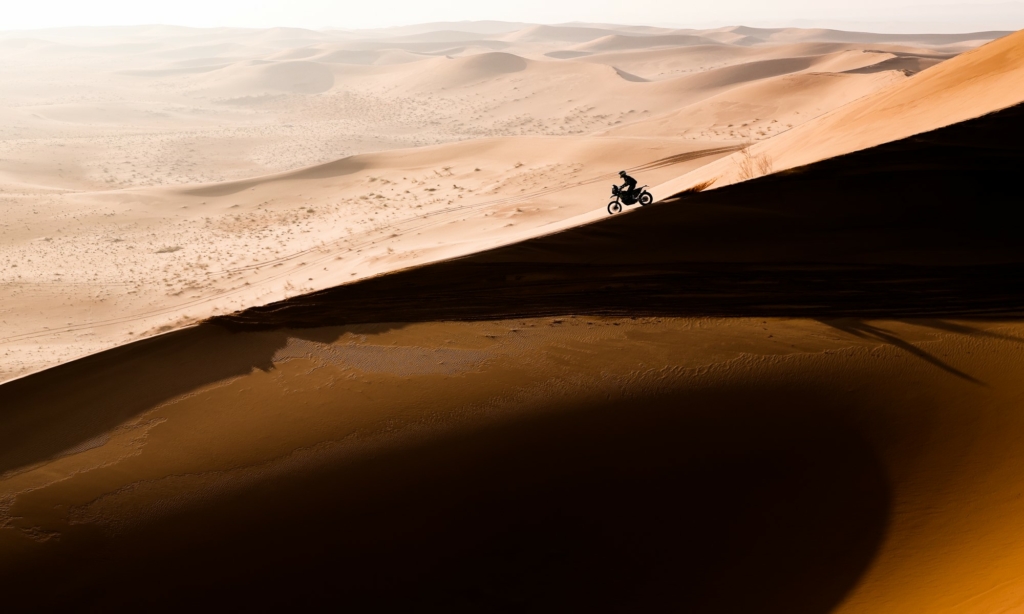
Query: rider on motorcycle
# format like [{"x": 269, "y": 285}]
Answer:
[{"x": 627, "y": 189}]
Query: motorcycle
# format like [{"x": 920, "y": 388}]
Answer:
[{"x": 640, "y": 195}]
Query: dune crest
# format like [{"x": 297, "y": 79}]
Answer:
[
  {"x": 241, "y": 153},
  {"x": 970, "y": 85}
]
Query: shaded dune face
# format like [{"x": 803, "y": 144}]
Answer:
[
  {"x": 594, "y": 510},
  {"x": 692, "y": 498},
  {"x": 924, "y": 226}
]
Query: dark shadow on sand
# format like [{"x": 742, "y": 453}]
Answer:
[
  {"x": 929, "y": 226},
  {"x": 47, "y": 413},
  {"x": 866, "y": 330},
  {"x": 694, "y": 501}
]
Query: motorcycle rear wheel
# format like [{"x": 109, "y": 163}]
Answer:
[
  {"x": 646, "y": 199},
  {"x": 614, "y": 207}
]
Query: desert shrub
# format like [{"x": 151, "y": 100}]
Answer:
[
  {"x": 751, "y": 166},
  {"x": 700, "y": 187}
]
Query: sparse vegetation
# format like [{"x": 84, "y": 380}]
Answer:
[
  {"x": 700, "y": 187},
  {"x": 752, "y": 166}
]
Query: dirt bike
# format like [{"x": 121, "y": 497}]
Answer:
[{"x": 639, "y": 195}]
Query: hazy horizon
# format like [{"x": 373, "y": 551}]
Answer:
[{"x": 869, "y": 15}]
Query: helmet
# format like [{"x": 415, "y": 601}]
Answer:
[{"x": 622, "y": 173}]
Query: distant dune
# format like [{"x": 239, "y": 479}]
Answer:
[
  {"x": 619, "y": 42},
  {"x": 296, "y": 77},
  {"x": 547, "y": 34}
]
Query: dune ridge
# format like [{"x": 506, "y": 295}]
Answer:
[
  {"x": 900, "y": 216},
  {"x": 95, "y": 182},
  {"x": 981, "y": 81}
]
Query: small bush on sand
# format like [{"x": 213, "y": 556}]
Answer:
[{"x": 752, "y": 166}]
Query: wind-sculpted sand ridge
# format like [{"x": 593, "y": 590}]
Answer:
[
  {"x": 431, "y": 223},
  {"x": 972, "y": 84},
  {"x": 111, "y": 253},
  {"x": 895, "y": 239}
]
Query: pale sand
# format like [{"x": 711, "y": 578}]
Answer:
[
  {"x": 973, "y": 84},
  {"x": 98, "y": 246}
]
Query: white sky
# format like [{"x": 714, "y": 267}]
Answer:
[{"x": 944, "y": 15}]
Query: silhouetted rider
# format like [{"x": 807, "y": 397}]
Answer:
[{"x": 627, "y": 188}]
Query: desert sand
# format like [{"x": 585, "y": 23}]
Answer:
[
  {"x": 289, "y": 315},
  {"x": 149, "y": 175}
]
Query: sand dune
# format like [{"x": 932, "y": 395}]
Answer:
[
  {"x": 485, "y": 27},
  {"x": 437, "y": 36},
  {"x": 978, "y": 82},
  {"x": 546, "y": 34},
  {"x": 294, "y": 315},
  {"x": 535, "y": 399},
  {"x": 659, "y": 64},
  {"x": 377, "y": 58},
  {"x": 675, "y": 60},
  {"x": 221, "y": 246},
  {"x": 619, "y": 42},
  {"x": 782, "y": 255},
  {"x": 460, "y": 72},
  {"x": 256, "y": 78},
  {"x": 792, "y": 35},
  {"x": 221, "y": 108},
  {"x": 761, "y": 109}
]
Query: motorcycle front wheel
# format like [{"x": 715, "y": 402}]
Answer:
[
  {"x": 614, "y": 207},
  {"x": 646, "y": 199}
]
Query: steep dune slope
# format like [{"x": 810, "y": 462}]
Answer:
[
  {"x": 761, "y": 109},
  {"x": 544, "y": 34},
  {"x": 833, "y": 465},
  {"x": 441, "y": 378},
  {"x": 153, "y": 259},
  {"x": 665, "y": 63},
  {"x": 921, "y": 226},
  {"x": 986, "y": 79},
  {"x": 497, "y": 465},
  {"x": 227, "y": 243}
]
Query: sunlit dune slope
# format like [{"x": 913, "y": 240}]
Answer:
[
  {"x": 225, "y": 114},
  {"x": 791, "y": 35},
  {"x": 619, "y": 42},
  {"x": 152, "y": 259},
  {"x": 986, "y": 79},
  {"x": 762, "y": 108},
  {"x": 926, "y": 225},
  {"x": 541, "y": 33}
]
